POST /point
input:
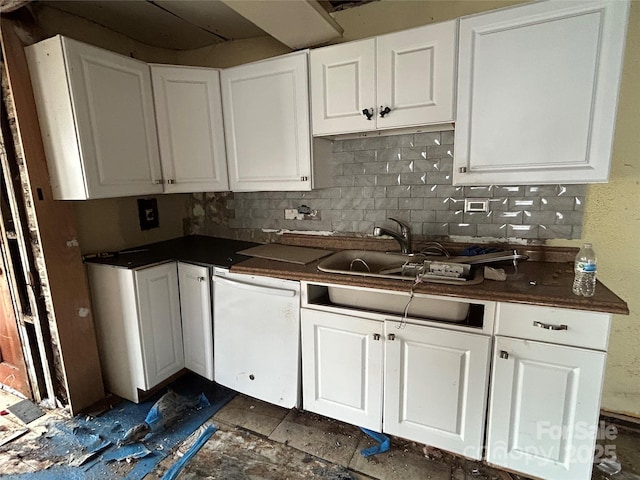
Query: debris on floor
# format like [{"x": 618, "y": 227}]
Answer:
[
  {"x": 87, "y": 447},
  {"x": 26, "y": 411},
  {"x": 260, "y": 440},
  {"x": 432, "y": 453},
  {"x": 127, "y": 453},
  {"x": 94, "y": 449},
  {"x": 163, "y": 414},
  {"x": 236, "y": 453},
  {"x": 11, "y": 436},
  {"x": 610, "y": 466}
]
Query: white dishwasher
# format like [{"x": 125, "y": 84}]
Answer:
[{"x": 256, "y": 336}]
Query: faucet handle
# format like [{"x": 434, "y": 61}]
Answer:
[{"x": 404, "y": 226}]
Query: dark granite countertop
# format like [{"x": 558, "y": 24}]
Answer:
[
  {"x": 540, "y": 282},
  {"x": 198, "y": 249},
  {"x": 544, "y": 283},
  {"x": 551, "y": 288}
]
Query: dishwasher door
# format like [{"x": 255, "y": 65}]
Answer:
[{"x": 257, "y": 336}]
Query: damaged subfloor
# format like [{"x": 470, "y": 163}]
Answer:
[{"x": 259, "y": 441}]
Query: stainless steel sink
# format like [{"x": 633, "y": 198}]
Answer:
[
  {"x": 395, "y": 266},
  {"x": 455, "y": 270},
  {"x": 399, "y": 266},
  {"x": 369, "y": 264},
  {"x": 390, "y": 266}
]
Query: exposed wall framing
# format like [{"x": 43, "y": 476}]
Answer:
[
  {"x": 56, "y": 287},
  {"x": 20, "y": 249}
]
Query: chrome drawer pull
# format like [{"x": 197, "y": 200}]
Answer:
[{"x": 549, "y": 326}]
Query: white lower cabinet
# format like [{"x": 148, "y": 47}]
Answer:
[
  {"x": 160, "y": 325},
  {"x": 148, "y": 323},
  {"x": 528, "y": 376},
  {"x": 342, "y": 363},
  {"x": 435, "y": 385},
  {"x": 545, "y": 397},
  {"x": 197, "y": 318},
  {"x": 433, "y": 381}
]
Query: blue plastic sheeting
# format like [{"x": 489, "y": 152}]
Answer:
[
  {"x": 80, "y": 435},
  {"x": 175, "y": 469},
  {"x": 383, "y": 443}
]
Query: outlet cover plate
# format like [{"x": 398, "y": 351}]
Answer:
[{"x": 476, "y": 205}]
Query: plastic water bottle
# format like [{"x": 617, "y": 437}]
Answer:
[{"x": 584, "y": 282}]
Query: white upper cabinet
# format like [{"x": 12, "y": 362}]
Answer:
[
  {"x": 343, "y": 85},
  {"x": 537, "y": 93},
  {"x": 96, "y": 115},
  {"x": 266, "y": 123},
  {"x": 190, "y": 129},
  {"x": 416, "y": 75},
  {"x": 396, "y": 80}
]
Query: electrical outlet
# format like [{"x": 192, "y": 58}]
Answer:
[{"x": 476, "y": 205}]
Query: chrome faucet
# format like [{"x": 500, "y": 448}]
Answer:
[{"x": 403, "y": 238}]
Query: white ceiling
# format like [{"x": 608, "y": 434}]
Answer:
[{"x": 190, "y": 24}]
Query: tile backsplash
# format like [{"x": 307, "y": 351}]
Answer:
[{"x": 408, "y": 177}]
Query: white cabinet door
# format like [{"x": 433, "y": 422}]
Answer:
[
  {"x": 196, "y": 313},
  {"x": 537, "y": 93},
  {"x": 266, "y": 123},
  {"x": 190, "y": 129},
  {"x": 410, "y": 72},
  {"x": 342, "y": 367},
  {"x": 160, "y": 326},
  {"x": 342, "y": 86},
  {"x": 416, "y": 75},
  {"x": 544, "y": 408},
  {"x": 435, "y": 387},
  {"x": 96, "y": 114}
]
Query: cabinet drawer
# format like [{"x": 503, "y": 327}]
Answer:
[{"x": 554, "y": 325}]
